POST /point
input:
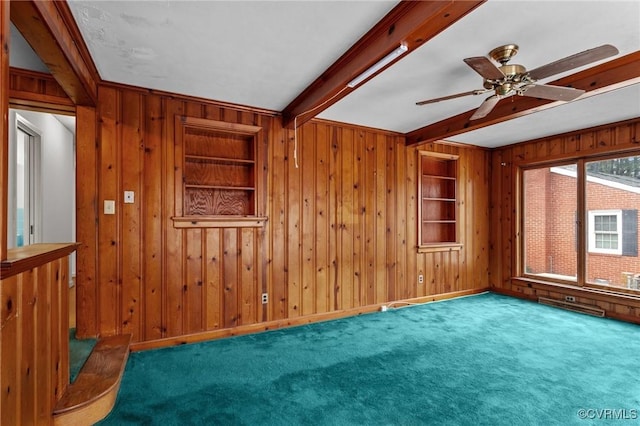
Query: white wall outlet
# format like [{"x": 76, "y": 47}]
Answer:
[
  {"x": 129, "y": 197},
  {"x": 569, "y": 299},
  {"x": 420, "y": 279},
  {"x": 265, "y": 298},
  {"x": 109, "y": 207}
]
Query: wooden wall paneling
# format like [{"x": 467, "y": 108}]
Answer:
[
  {"x": 392, "y": 203},
  {"x": 173, "y": 267},
  {"x": 370, "y": 208},
  {"x": 54, "y": 332},
  {"x": 27, "y": 370},
  {"x": 10, "y": 344},
  {"x": 381, "y": 211},
  {"x": 108, "y": 285},
  {"x": 360, "y": 207},
  {"x": 4, "y": 123},
  {"x": 194, "y": 296},
  {"x": 277, "y": 225},
  {"x": 231, "y": 280},
  {"x": 153, "y": 220},
  {"x": 249, "y": 284},
  {"x": 58, "y": 279},
  {"x": 294, "y": 237},
  {"x": 347, "y": 218},
  {"x": 308, "y": 190},
  {"x": 478, "y": 252},
  {"x": 464, "y": 189},
  {"x": 45, "y": 399},
  {"x": 322, "y": 219},
  {"x": 36, "y": 90},
  {"x": 88, "y": 209},
  {"x": 213, "y": 278},
  {"x": 404, "y": 183},
  {"x": 335, "y": 248},
  {"x": 132, "y": 222}
]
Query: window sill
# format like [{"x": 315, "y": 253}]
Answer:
[
  {"x": 439, "y": 247},
  {"x": 593, "y": 289},
  {"x": 218, "y": 221}
]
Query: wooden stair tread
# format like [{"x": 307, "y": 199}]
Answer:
[{"x": 99, "y": 378}]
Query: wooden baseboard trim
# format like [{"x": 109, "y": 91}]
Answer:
[
  {"x": 291, "y": 322},
  {"x": 91, "y": 397}
]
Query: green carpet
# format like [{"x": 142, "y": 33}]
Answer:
[
  {"x": 79, "y": 351},
  {"x": 480, "y": 360}
]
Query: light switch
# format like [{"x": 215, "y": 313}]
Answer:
[
  {"x": 129, "y": 197},
  {"x": 109, "y": 207}
]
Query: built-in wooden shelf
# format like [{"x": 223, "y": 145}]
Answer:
[
  {"x": 438, "y": 207},
  {"x": 219, "y": 162}
]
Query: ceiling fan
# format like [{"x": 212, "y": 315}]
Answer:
[{"x": 513, "y": 79}]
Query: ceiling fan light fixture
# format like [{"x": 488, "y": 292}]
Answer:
[{"x": 395, "y": 54}]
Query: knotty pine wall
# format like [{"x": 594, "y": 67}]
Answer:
[
  {"x": 34, "y": 342},
  {"x": 505, "y": 162},
  {"x": 341, "y": 234}
]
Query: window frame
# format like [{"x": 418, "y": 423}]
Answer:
[{"x": 581, "y": 222}]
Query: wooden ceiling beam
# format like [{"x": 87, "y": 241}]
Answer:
[
  {"x": 615, "y": 74},
  {"x": 51, "y": 31},
  {"x": 411, "y": 23}
]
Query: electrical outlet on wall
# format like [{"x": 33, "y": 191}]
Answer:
[
  {"x": 265, "y": 298},
  {"x": 420, "y": 279}
]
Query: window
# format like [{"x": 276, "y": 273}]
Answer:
[
  {"x": 580, "y": 222},
  {"x": 605, "y": 227},
  {"x": 549, "y": 216}
]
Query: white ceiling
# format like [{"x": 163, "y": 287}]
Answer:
[{"x": 265, "y": 53}]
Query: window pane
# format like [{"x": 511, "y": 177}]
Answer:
[
  {"x": 550, "y": 222},
  {"x": 612, "y": 200}
]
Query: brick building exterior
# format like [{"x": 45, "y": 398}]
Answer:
[{"x": 550, "y": 230}]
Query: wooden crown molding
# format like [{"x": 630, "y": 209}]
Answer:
[
  {"x": 620, "y": 72},
  {"x": 412, "y": 23}
]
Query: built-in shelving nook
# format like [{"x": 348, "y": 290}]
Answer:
[
  {"x": 438, "y": 206},
  {"x": 219, "y": 174}
]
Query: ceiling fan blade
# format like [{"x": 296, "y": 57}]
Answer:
[
  {"x": 486, "y": 107},
  {"x": 554, "y": 93},
  {"x": 457, "y": 95},
  {"x": 574, "y": 61},
  {"x": 484, "y": 67}
]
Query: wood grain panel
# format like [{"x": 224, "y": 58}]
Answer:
[
  {"x": 87, "y": 200},
  {"x": 34, "y": 324},
  {"x": 131, "y": 228},
  {"x": 36, "y": 90},
  {"x": 109, "y": 303},
  {"x": 340, "y": 234},
  {"x": 152, "y": 219},
  {"x": 4, "y": 124},
  {"x": 621, "y": 138}
]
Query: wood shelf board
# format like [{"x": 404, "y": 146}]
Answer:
[
  {"x": 221, "y": 160},
  {"x": 437, "y": 247},
  {"x": 219, "y": 221},
  {"x": 237, "y": 188}
]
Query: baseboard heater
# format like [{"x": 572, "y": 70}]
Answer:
[{"x": 571, "y": 306}]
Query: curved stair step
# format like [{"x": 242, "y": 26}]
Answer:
[{"x": 91, "y": 397}]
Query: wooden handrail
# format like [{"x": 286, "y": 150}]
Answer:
[{"x": 22, "y": 259}]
